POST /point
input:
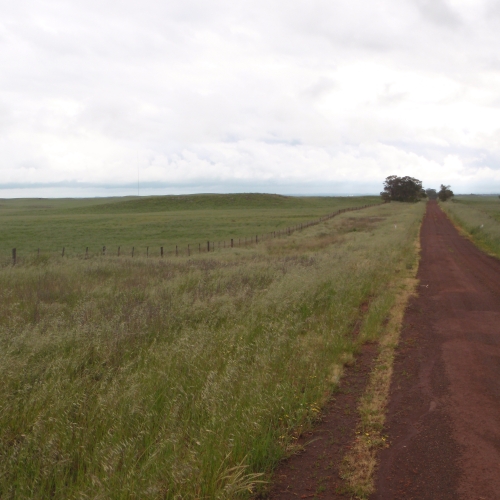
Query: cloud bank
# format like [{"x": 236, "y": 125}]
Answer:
[{"x": 194, "y": 96}]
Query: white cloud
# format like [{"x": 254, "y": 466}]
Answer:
[{"x": 224, "y": 94}]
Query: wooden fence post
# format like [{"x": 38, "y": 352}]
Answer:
[
  {"x": 62, "y": 254},
  {"x": 147, "y": 251},
  {"x": 104, "y": 250},
  {"x": 208, "y": 246},
  {"x": 189, "y": 251},
  {"x": 231, "y": 242},
  {"x": 161, "y": 252},
  {"x": 199, "y": 247},
  {"x": 132, "y": 251},
  {"x": 176, "y": 251},
  {"x": 118, "y": 251},
  {"x": 38, "y": 253},
  {"x": 87, "y": 252},
  {"x": 14, "y": 257}
]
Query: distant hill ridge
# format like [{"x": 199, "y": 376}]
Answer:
[{"x": 201, "y": 201}]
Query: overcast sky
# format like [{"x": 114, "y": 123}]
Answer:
[{"x": 316, "y": 96}]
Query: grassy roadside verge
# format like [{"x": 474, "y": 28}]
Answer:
[
  {"x": 183, "y": 378},
  {"x": 479, "y": 219},
  {"x": 382, "y": 324}
]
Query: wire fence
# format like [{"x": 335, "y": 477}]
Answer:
[{"x": 198, "y": 248}]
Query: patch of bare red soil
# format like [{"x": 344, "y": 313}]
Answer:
[
  {"x": 314, "y": 473},
  {"x": 443, "y": 418}
]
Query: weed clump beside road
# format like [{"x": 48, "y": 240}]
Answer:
[
  {"x": 479, "y": 218},
  {"x": 188, "y": 377}
]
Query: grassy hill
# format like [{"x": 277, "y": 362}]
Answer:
[{"x": 153, "y": 221}]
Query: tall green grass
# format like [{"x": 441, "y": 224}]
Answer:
[
  {"x": 479, "y": 217},
  {"x": 183, "y": 378}
]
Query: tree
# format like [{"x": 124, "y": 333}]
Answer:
[
  {"x": 402, "y": 189},
  {"x": 445, "y": 193},
  {"x": 432, "y": 194}
]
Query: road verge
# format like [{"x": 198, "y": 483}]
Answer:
[{"x": 360, "y": 462}]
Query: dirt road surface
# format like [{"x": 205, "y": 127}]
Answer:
[
  {"x": 314, "y": 473},
  {"x": 444, "y": 414}
]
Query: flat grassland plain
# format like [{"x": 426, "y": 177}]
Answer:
[
  {"x": 479, "y": 218},
  {"x": 188, "y": 378},
  {"x": 155, "y": 221}
]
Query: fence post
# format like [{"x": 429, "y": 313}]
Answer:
[
  {"x": 176, "y": 251},
  {"x": 38, "y": 254},
  {"x": 14, "y": 257},
  {"x": 132, "y": 251},
  {"x": 161, "y": 252},
  {"x": 62, "y": 255},
  {"x": 118, "y": 251},
  {"x": 189, "y": 251},
  {"x": 208, "y": 246},
  {"x": 87, "y": 252},
  {"x": 256, "y": 238},
  {"x": 147, "y": 251},
  {"x": 231, "y": 242},
  {"x": 199, "y": 247},
  {"x": 104, "y": 250}
]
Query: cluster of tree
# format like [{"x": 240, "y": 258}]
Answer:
[
  {"x": 402, "y": 189},
  {"x": 445, "y": 193},
  {"x": 431, "y": 194},
  {"x": 410, "y": 189}
]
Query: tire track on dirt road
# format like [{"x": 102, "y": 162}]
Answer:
[{"x": 443, "y": 419}]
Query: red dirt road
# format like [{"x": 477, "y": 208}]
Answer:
[{"x": 443, "y": 419}]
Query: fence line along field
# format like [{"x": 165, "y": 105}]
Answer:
[
  {"x": 190, "y": 377},
  {"x": 154, "y": 222},
  {"x": 479, "y": 217}
]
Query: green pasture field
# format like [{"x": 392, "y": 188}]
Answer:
[
  {"x": 156, "y": 221},
  {"x": 133, "y": 378},
  {"x": 479, "y": 217}
]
